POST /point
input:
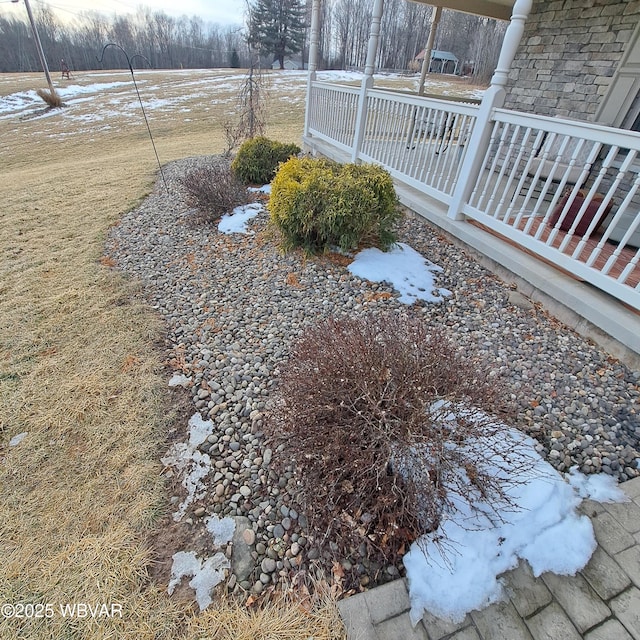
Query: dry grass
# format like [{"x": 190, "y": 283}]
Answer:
[
  {"x": 50, "y": 97},
  {"x": 81, "y": 373}
]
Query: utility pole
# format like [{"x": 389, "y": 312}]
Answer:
[{"x": 43, "y": 60}]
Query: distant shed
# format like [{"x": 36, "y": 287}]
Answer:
[
  {"x": 441, "y": 61},
  {"x": 291, "y": 63}
]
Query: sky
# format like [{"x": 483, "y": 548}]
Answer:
[{"x": 223, "y": 12}]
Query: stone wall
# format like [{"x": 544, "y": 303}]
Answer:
[{"x": 568, "y": 55}]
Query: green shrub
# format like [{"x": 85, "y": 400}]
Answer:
[
  {"x": 317, "y": 203},
  {"x": 257, "y": 159}
]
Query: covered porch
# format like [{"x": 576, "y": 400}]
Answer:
[{"x": 553, "y": 200}]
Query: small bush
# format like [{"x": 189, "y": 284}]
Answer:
[
  {"x": 257, "y": 159},
  {"x": 317, "y": 203},
  {"x": 381, "y": 419},
  {"x": 50, "y": 97},
  {"x": 214, "y": 191}
]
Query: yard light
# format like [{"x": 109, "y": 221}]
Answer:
[{"x": 43, "y": 60}]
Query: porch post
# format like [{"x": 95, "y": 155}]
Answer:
[
  {"x": 313, "y": 61},
  {"x": 426, "y": 63},
  {"x": 367, "y": 79},
  {"x": 493, "y": 99}
]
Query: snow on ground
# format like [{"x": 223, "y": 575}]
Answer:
[
  {"x": 221, "y": 529},
  {"x": 452, "y": 578},
  {"x": 186, "y": 459},
  {"x": 17, "y": 439},
  {"x": 236, "y": 221},
  {"x": 28, "y": 101},
  {"x": 265, "y": 188},
  {"x": 206, "y": 575},
  {"x": 403, "y": 267},
  {"x": 95, "y": 97},
  {"x": 597, "y": 486},
  {"x": 179, "y": 380}
]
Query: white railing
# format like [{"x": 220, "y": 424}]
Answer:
[
  {"x": 332, "y": 114},
  {"x": 566, "y": 191},
  {"x": 422, "y": 141}
]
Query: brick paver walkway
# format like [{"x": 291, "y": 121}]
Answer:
[{"x": 601, "y": 602}]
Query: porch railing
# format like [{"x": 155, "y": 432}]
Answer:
[
  {"x": 332, "y": 114},
  {"x": 566, "y": 191},
  {"x": 419, "y": 140}
]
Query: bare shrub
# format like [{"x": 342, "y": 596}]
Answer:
[
  {"x": 250, "y": 109},
  {"x": 50, "y": 97},
  {"x": 214, "y": 190},
  {"x": 385, "y": 422}
]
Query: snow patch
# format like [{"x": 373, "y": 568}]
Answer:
[
  {"x": 179, "y": 380},
  {"x": 544, "y": 529},
  {"x": 404, "y": 268},
  {"x": 222, "y": 529},
  {"x": 17, "y": 439},
  {"x": 187, "y": 460},
  {"x": 236, "y": 221},
  {"x": 206, "y": 575},
  {"x": 599, "y": 486},
  {"x": 266, "y": 188}
]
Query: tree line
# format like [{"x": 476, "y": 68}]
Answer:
[
  {"x": 274, "y": 30},
  {"x": 404, "y": 31},
  {"x": 166, "y": 42}
]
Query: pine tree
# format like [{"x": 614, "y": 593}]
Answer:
[
  {"x": 235, "y": 59},
  {"x": 276, "y": 27}
]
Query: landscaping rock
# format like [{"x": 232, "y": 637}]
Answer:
[{"x": 233, "y": 304}]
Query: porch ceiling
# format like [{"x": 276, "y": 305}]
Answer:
[{"x": 500, "y": 9}]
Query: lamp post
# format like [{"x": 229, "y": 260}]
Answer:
[{"x": 43, "y": 60}]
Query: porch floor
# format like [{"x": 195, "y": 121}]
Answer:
[{"x": 607, "y": 250}]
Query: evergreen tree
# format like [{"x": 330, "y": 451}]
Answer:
[
  {"x": 276, "y": 27},
  {"x": 235, "y": 59}
]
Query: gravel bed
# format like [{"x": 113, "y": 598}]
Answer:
[{"x": 233, "y": 303}]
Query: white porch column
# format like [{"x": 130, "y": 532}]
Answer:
[
  {"x": 493, "y": 98},
  {"x": 313, "y": 60},
  {"x": 367, "y": 79},
  {"x": 426, "y": 63}
]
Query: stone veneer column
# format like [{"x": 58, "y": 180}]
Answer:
[{"x": 569, "y": 55}]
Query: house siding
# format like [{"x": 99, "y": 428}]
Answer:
[{"x": 568, "y": 55}]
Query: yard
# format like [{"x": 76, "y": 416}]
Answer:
[
  {"x": 82, "y": 370},
  {"x": 85, "y": 359}
]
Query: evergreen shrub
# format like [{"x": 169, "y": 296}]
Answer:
[
  {"x": 257, "y": 159},
  {"x": 318, "y": 203}
]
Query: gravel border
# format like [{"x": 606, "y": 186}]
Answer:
[{"x": 233, "y": 303}]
